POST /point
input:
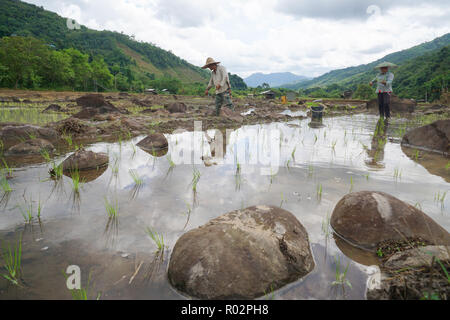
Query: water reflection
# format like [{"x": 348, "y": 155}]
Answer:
[
  {"x": 378, "y": 144},
  {"x": 330, "y": 156}
]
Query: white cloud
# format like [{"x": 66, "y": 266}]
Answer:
[{"x": 305, "y": 37}]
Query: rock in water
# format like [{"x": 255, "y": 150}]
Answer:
[
  {"x": 85, "y": 160},
  {"x": 367, "y": 218},
  {"x": 230, "y": 114},
  {"x": 154, "y": 141},
  {"x": 11, "y": 135},
  {"x": 397, "y": 104},
  {"x": 176, "y": 107},
  {"x": 52, "y": 107},
  {"x": 33, "y": 146},
  {"x": 433, "y": 137},
  {"x": 92, "y": 105},
  {"x": 243, "y": 254}
]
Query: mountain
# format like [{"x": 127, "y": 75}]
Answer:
[
  {"x": 273, "y": 79},
  {"x": 143, "y": 59},
  {"x": 353, "y": 75}
]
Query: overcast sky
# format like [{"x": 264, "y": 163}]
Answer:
[{"x": 306, "y": 37}]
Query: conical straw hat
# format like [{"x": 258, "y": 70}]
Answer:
[
  {"x": 209, "y": 61},
  {"x": 386, "y": 64}
]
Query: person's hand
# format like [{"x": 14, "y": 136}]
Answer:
[
  {"x": 370, "y": 83},
  {"x": 383, "y": 82},
  {"x": 206, "y": 92},
  {"x": 218, "y": 87}
]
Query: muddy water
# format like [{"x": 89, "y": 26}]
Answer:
[{"x": 282, "y": 164}]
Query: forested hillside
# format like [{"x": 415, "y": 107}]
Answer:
[
  {"x": 132, "y": 65},
  {"x": 347, "y": 75}
]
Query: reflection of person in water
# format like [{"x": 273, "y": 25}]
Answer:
[
  {"x": 218, "y": 147},
  {"x": 379, "y": 139}
]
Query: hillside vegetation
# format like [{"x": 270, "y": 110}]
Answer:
[{"x": 132, "y": 65}]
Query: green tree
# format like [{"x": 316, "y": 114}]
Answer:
[
  {"x": 80, "y": 67},
  {"x": 22, "y": 56},
  {"x": 364, "y": 91},
  {"x": 57, "y": 70},
  {"x": 101, "y": 74}
]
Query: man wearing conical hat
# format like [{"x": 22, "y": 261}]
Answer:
[
  {"x": 219, "y": 79},
  {"x": 384, "y": 88}
]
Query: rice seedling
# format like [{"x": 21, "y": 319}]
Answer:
[
  {"x": 44, "y": 153},
  {"x": 270, "y": 294},
  {"x": 171, "y": 163},
  {"x": 134, "y": 151},
  {"x": 333, "y": 145},
  {"x": 12, "y": 260},
  {"x": 76, "y": 182},
  {"x": 56, "y": 171},
  {"x": 416, "y": 155},
  {"x": 237, "y": 176},
  {"x": 136, "y": 178},
  {"x": 440, "y": 197},
  {"x": 447, "y": 166},
  {"x": 319, "y": 191},
  {"x": 8, "y": 172},
  {"x": 310, "y": 170},
  {"x": 188, "y": 213},
  {"x": 27, "y": 212},
  {"x": 293, "y": 154},
  {"x": 326, "y": 226},
  {"x": 157, "y": 238},
  {"x": 82, "y": 293},
  {"x": 341, "y": 277},
  {"x": 397, "y": 174},
  {"x": 4, "y": 184},
  {"x": 282, "y": 200},
  {"x": 418, "y": 206},
  {"x": 112, "y": 209},
  {"x": 351, "y": 184},
  {"x": 195, "y": 178},
  {"x": 68, "y": 138}
]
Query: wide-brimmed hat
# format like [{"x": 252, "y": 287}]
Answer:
[
  {"x": 209, "y": 61},
  {"x": 386, "y": 64}
]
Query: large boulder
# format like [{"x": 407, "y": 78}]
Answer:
[
  {"x": 154, "y": 141},
  {"x": 32, "y": 146},
  {"x": 367, "y": 218},
  {"x": 11, "y": 135},
  {"x": 176, "y": 107},
  {"x": 85, "y": 160},
  {"x": 433, "y": 137},
  {"x": 243, "y": 254},
  {"x": 93, "y": 104},
  {"x": 397, "y": 104}
]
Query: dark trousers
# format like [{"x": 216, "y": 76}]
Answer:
[{"x": 384, "y": 100}]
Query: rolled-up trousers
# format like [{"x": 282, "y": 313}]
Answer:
[{"x": 384, "y": 101}]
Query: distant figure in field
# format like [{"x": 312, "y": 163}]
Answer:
[
  {"x": 219, "y": 79},
  {"x": 384, "y": 88}
]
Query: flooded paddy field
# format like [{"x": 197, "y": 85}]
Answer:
[
  {"x": 119, "y": 223},
  {"x": 294, "y": 165}
]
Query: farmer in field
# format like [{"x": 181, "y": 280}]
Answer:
[
  {"x": 384, "y": 88},
  {"x": 219, "y": 79}
]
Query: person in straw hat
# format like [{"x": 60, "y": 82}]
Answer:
[
  {"x": 384, "y": 88},
  {"x": 219, "y": 79}
]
